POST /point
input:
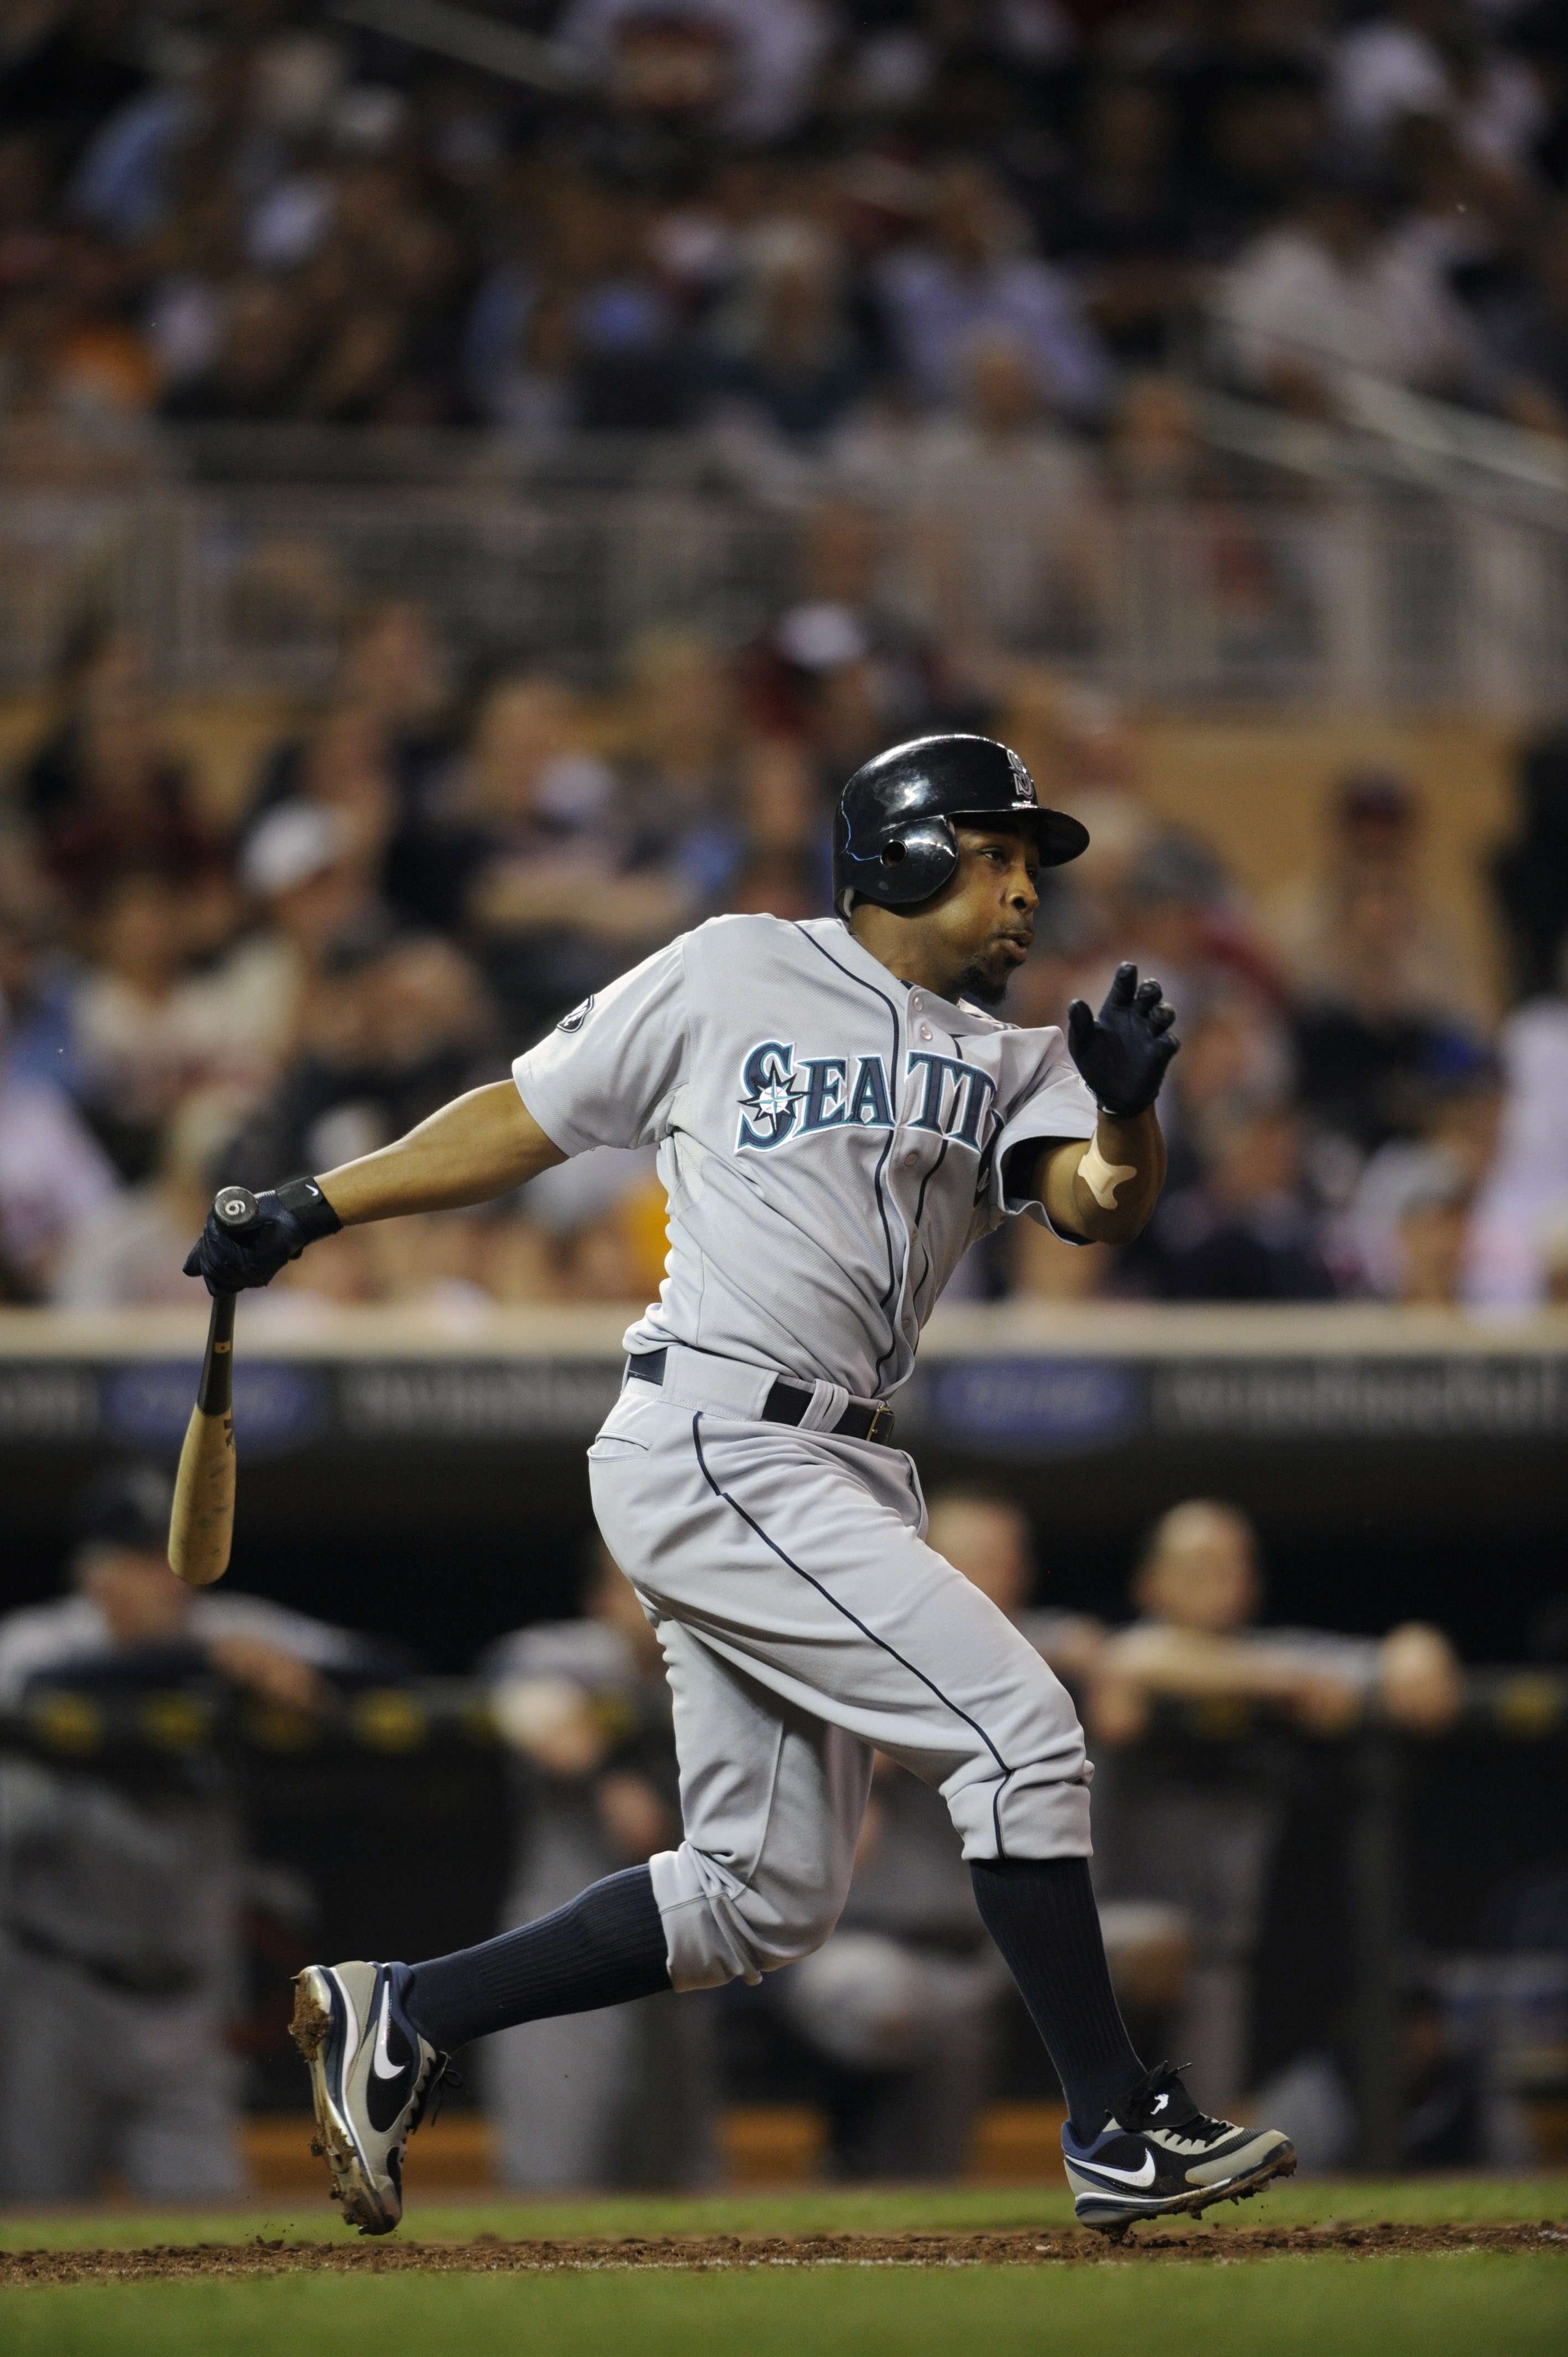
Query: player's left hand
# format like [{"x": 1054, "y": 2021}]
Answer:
[{"x": 1122, "y": 1052}]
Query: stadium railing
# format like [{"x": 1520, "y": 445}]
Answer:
[{"x": 1301, "y": 575}]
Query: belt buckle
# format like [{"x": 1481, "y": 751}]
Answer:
[{"x": 881, "y": 1425}]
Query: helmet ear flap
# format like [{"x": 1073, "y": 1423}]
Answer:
[{"x": 906, "y": 867}]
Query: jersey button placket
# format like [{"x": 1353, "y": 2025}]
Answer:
[{"x": 910, "y": 1158}]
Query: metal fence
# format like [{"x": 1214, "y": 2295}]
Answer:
[{"x": 1327, "y": 592}]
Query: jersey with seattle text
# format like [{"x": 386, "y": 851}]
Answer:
[{"x": 832, "y": 1140}]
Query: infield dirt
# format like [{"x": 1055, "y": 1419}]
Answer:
[{"x": 1037, "y": 2247}]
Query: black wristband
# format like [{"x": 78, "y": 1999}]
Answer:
[{"x": 302, "y": 1200}]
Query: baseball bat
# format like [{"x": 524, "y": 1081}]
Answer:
[{"x": 201, "y": 1527}]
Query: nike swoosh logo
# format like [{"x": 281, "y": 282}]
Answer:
[
  {"x": 1144, "y": 2176},
  {"x": 381, "y": 2064}
]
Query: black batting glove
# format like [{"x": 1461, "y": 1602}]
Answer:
[
  {"x": 1122, "y": 1052},
  {"x": 288, "y": 1217}
]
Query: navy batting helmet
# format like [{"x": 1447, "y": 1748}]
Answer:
[{"x": 894, "y": 840}]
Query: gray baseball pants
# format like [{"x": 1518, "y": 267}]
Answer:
[
  {"x": 90, "y": 2079},
  {"x": 804, "y": 1622}
]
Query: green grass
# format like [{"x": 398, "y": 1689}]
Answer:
[
  {"x": 821, "y": 2209},
  {"x": 1452, "y": 2307},
  {"x": 1458, "y": 2305}
]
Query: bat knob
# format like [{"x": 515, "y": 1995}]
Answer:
[{"x": 235, "y": 1207}]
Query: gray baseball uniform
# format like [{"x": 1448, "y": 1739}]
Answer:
[
  {"x": 832, "y": 1141},
  {"x": 119, "y": 1951}
]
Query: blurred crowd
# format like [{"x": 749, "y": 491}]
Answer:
[
  {"x": 127, "y": 1876},
  {"x": 425, "y": 872},
  {"x": 802, "y": 219}
]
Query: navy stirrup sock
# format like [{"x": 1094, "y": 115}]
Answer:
[
  {"x": 604, "y": 1947},
  {"x": 1041, "y": 1914}
]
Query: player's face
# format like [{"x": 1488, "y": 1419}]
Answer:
[
  {"x": 984, "y": 918},
  {"x": 138, "y": 1595}
]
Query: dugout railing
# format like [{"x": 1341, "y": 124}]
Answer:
[{"x": 415, "y": 1769}]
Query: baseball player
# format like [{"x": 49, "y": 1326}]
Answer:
[{"x": 839, "y": 1114}]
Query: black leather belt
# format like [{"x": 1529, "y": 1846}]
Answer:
[{"x": 786, "y": 1403}]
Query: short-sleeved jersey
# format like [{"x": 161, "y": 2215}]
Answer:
[{"x": 832, "y": 1140}]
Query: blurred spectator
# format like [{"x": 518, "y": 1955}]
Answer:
[
  {"x": 102, "y": 792},
  {"x": 1531, "y": 873},
  {"x": 1409, "y": 1219},
  {"x": 53, "y": 1174},
  {"x": 784, "y": 349},
  {"x": 118, "y": 1925},
  {"x": 787, "y": 867},
  {"x": 28, "y": 244},
  {"x": 677, "y": 750},
  {"x": 1434, "y": 57},
  {"x": 1554, "y": 1256},
  {"x": 1122, "y": 229},
  {"x": 518, "y": 349},
  {"x": 1383, "y": 992},
  {"x": 65, "y": 68},
  {"x": 382, "y": 756},
  {"x": 976, "y": 278},
  {"x": 1434, "y": 1224},
  {"x": 1244, "y": 1230},
  {"x": 1530, "y": 336},
  {"x": 556, "y": 905},
  {"x": 618, "y": 2097},
  {"x": 576, "y": 327},
  {"x": 1335, "y": 292},
  {"x": 307, "y": 879},
  {"x": 1439, "y": 2085},
  {"x": 257, "y": 360},
  {"x": 122, "y": 182},
  {"x": 1257, "y": 122},
  {"x": 1372, "y": 847},
  {"x": 146, "y": 1030},
  {"x": 395, "y": 1026},
  {"x": 130, "y": 1250},
  {"x": 36, "y": 983},
  {"x": 1003, "y": 515},
  {"x": 342, "y": 766},
  {"x": 842, "y": 667},
  {"x": 1526, "y": 1194},
  {"x": 1191, "y": 1818},
  {"x": 741, "y": 68}
]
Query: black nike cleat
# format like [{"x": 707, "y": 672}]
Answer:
[
  {"x": 1159, "y": 2153},
  {"x": 372, "y": 2076}
]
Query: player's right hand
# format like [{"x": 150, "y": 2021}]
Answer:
[{"x": 287, "y": 1218}]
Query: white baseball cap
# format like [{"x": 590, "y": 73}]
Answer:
[{"x": 292, "y": 842}]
